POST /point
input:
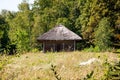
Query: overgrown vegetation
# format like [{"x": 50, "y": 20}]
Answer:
[
  {"x": 103, "y": 34},
  {"x": 93, "y": 20},
  {"x": 114, "y": 71},
  {"x": 96, "y": 21},
  {"x": 4, "y": 60},
  {"x": 59, "y": 66},
  {"x": 55, "y": 72}
]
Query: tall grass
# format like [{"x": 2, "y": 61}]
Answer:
[
  {"x": 4, "y": 60},
  {"x": 37, "y": 66}
]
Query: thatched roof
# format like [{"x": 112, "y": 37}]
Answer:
[{"x": 59, "y": 32}]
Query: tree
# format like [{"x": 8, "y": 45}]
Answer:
[
  {"x": 22, "y": 25},
  {"x": 103, "y": 34},
  {"x": 81, "y": 16},
  {"x": 23, "y": 6},
  {"x": 4, "y": 29}
]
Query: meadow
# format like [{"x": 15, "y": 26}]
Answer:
[{"x": 56, "y": 66}]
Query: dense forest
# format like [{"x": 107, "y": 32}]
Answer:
[{"x": 96, "y": 21}]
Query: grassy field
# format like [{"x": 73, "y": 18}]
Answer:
[{"x": 37, "y": 66}]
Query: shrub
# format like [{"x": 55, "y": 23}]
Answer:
[{"x": 92, "y": 49}]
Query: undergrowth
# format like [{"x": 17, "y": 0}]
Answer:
[
  {"x": 38, "y": 66},
  {"x": 4, "y": 60}
]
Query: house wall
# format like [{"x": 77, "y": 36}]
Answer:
[{"x": 57, "y": 46}]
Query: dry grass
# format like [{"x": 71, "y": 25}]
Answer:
[{"x": 37, "y": 66}]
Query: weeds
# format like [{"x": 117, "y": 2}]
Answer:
[
  {"x": 32, "y": 66},
  {"x": 4, "y": 60},
  {"x": 89, "y": 76},
  {"x": 57, "y": 76},
  {"x": 114, "y": 72}
]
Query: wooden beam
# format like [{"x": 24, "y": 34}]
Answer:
[
  {"x": 74, "y": 44},
  {"x": 63, "y": 46},
  {"x": 54, "y": 47},
  {"x": 44, "y": 47}
]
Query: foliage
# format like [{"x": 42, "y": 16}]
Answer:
[
  {"x": 103, "y": 34},
  {"x": 114, "y": 72},
  {"x": 84, "y": 17},
  {"x": 89, "y": 76},
  {"x": 4, "y": 29},
  {"x": 92, "y": 49},
  {"x": 118, "y": 50},
  {"x": 22, "y": 33},
  {"x": 55, "y": 72}
]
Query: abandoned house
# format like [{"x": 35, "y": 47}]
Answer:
[{"x": 59, "y": 39}]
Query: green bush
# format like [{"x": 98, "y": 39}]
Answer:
[
  {"x": 35, "y": 50},
  {"x": 118, "y": 50},
  {"x": 92, "y": 49}
]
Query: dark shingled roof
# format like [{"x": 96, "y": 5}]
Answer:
[{"x": 59, "y": 32}]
